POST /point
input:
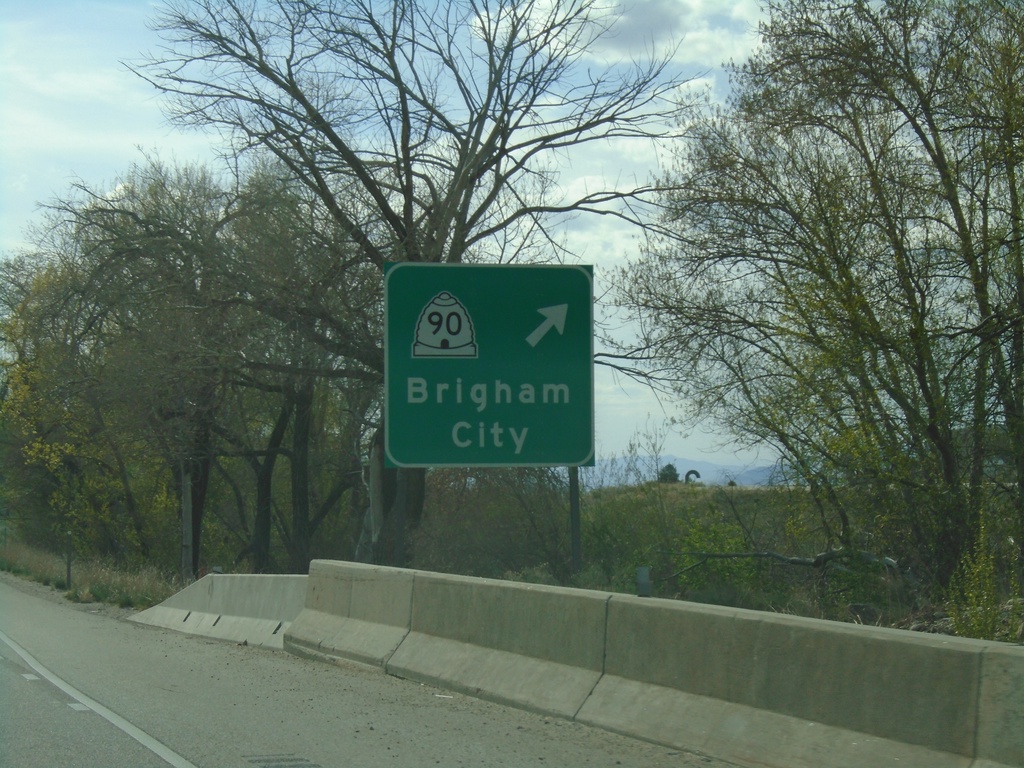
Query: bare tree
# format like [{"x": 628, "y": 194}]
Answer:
[{"x": 429, "y": 131}]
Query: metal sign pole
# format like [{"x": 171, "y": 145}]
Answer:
[{"x": 574, "y": 519}]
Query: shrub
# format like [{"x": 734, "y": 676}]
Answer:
[{"x": 974, "y": 605}]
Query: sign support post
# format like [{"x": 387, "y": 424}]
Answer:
[{"x": 490, "y": 365}]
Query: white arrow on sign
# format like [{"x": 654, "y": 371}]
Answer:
[{"x": 554, "y": 317}]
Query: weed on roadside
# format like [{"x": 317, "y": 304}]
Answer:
[{"x": 92, "y": 581}]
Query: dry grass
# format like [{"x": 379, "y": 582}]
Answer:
[{"x": 91, "y": 581}]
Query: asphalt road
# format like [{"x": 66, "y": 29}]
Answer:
[{"x": 81, "y": 687}]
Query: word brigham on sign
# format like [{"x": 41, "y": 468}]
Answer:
[{"x": 482, "y": 394}]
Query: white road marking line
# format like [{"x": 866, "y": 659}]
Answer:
[{"x": 164, "y": 753}]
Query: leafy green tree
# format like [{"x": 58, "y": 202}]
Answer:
[
  {"x": 70, "y": 451},
  {"x": 127, "y": 300},
  {"x": 668, "y": 474},
  {"x": 844, "y": 278},
  {"x": 156, "y": 351}
]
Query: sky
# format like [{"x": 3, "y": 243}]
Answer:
[{"x": 71, "y": 111}]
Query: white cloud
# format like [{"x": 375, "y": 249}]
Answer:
[
  {"x": 69, "y": 108},
  {"x": 703, "y": 33}
]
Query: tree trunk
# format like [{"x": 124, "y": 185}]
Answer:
[
  {"x": 396, "y": 499},
  {"x": 301, "y": 427},
  {"x": 260, "y": 545},
  {"x": 200, "y": 476}
]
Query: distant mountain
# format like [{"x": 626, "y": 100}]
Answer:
[{"x": 621, "y": 471}]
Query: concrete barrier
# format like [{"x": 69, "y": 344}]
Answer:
[
  {"x": 529, "y": 646},
  {"x": 755, "y": 688},
  {"x": 254, "y": 609},
  {"x": 744, "y": 684},
  {"x": 352, "y": 611},
  {"x": 539, "y": 648},
  {"x": 1000, "y": 713}
]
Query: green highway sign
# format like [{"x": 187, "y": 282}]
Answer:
[{"x": 488, "y": 365}]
